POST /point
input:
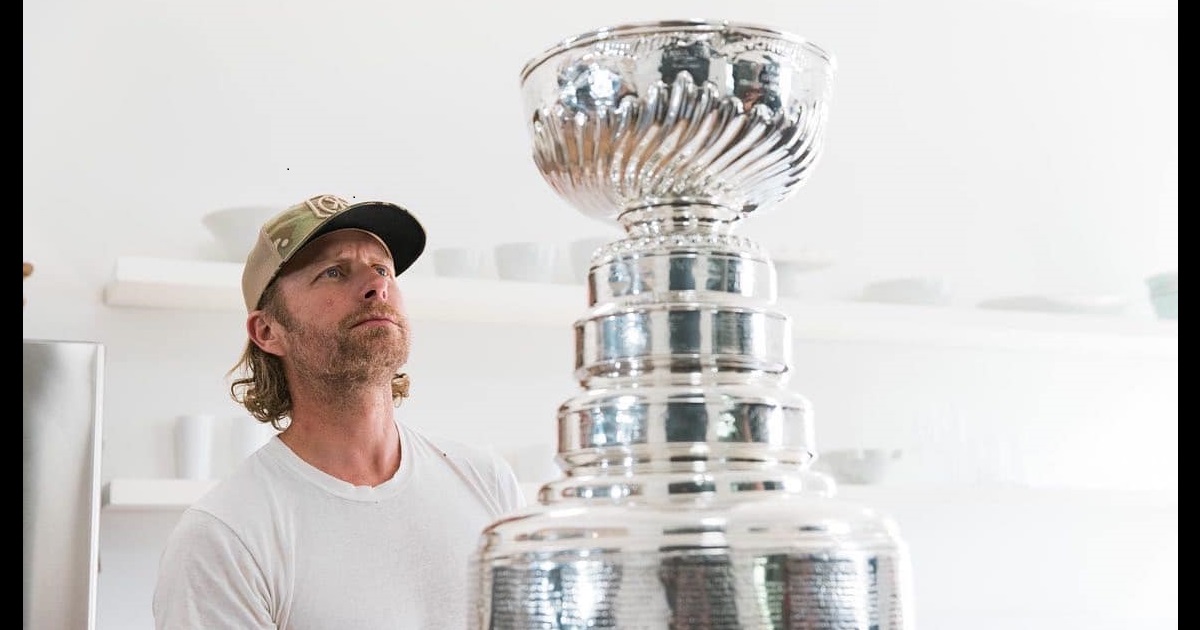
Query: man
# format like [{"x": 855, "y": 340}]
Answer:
[{"x": 348, "y": 518}]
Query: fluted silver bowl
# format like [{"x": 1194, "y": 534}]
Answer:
[{"x": 679, "y": 112}]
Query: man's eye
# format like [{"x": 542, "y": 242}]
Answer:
[
  {"x": 332, "y": 272},
  {"x": 383, "y": 271}
]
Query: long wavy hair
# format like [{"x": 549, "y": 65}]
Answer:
[{"x": 263, "y": 388}]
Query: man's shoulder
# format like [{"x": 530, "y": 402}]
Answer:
[
  {"x": 441, "y": 441},
  {"x": 456, "y": 450},
  {"x": 483, "y": 468},
  {"x": 247, "y": 488}
]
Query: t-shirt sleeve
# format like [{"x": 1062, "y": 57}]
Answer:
[{"x": 208, "y": 579}]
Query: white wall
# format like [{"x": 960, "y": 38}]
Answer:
[{"x": 1011, "y": 146}]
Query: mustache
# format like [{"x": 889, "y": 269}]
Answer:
[{"x": 375, "y": 312}]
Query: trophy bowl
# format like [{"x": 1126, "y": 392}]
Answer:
[{"x": 705, "y": 114}]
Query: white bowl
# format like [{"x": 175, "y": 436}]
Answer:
[
  {"x": 793, "y": 269},
  {"x": 857, "y": 465},
  {"x": 527, "y": 261},
  {"x": 911, "y": 290},
  {"x": 580, "y": 252},
  {"x": 460, "y": 262},
  {"x": 236, "y": 228},
  {"x": 801, "y": 259}
]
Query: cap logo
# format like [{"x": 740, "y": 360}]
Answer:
[
  {"x": 326, "y": 205},
  {"x": 288, "y": 229}
]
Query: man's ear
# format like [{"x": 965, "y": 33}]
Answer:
[{"x": 263, "y": 332}]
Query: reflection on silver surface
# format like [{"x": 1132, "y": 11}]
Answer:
[
  {"x": 62, "y": 387},
  {"x": 725, "y": 118},
  {"x": 688, "y": 500}
]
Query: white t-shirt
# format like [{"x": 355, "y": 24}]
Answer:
[{"x": 281, "y": 544}]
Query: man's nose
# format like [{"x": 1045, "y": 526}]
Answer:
[{"x": 377, "y": 287}]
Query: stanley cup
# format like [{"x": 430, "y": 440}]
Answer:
[{"x": 687, "y": 500}]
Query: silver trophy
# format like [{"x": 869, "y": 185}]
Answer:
[{"x": 687, "y": 501}]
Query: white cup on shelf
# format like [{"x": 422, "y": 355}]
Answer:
[
  {"x": 247, "y": 435},
  {"x": 194, "y": 446},
  {"x": 526, "y": 261}
]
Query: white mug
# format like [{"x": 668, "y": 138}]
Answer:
[
  {"x": 193, "y": 446},
  {"x": 247, "y": 435}
]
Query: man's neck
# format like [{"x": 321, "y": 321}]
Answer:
[{"x": 353, "y": 438}]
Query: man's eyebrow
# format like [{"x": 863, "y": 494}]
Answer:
[{"x": 341, "y": 259}]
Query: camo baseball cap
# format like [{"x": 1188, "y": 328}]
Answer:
[{"x": 289, "y": 231}]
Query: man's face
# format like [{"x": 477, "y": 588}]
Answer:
[{"x": 342, "y": 319}]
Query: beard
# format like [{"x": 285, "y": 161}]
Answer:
[{"x": 348, "y": 357}]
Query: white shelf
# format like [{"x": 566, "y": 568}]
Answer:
[
  {"x": 217, "y": 286},
  {"x": 153, "y": 494},
  {"x": 213, "y": 285}
]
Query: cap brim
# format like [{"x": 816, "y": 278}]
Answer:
[{"x": 395, "y": 226}]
